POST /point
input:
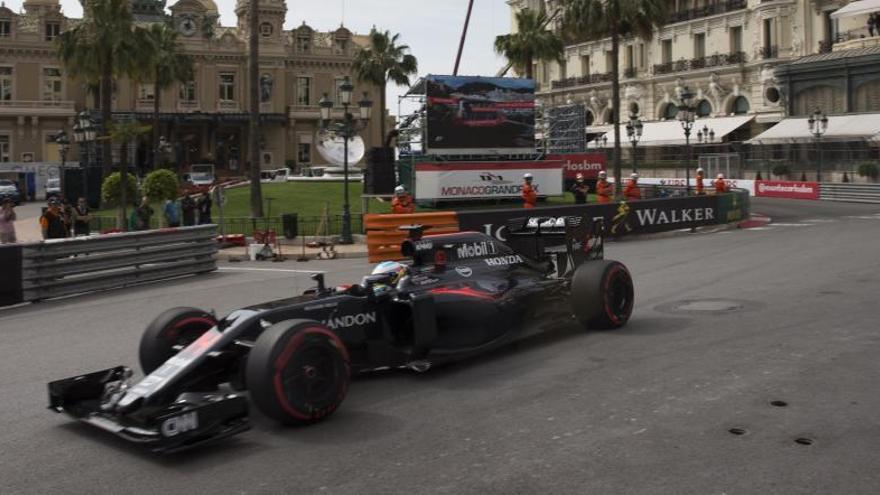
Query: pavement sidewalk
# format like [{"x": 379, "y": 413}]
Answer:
[{"x": 293, "y": 251}]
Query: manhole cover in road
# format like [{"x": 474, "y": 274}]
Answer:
[
  {"x": 709, "y": 305},
  {"x": 705, "y": 306}
]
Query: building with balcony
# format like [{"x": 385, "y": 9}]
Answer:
[
  {"x": 758, "y": 60},
  {"x": 206, "y": 119}
]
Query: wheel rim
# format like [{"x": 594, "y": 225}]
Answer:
[
  {"x": 310, "y": 379},
  {"x": 618, "y": 295}
]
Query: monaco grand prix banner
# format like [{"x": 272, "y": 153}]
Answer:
[
  {"x": 480, "y": 115},
  {"x": 637, "y": 217},
  {"x": 452, "y": 181},
  {"x": 786, "y": 189},
  {"x": 588, "y": 164}
]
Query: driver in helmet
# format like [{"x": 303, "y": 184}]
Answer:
[{"x": 397, "y": 271}]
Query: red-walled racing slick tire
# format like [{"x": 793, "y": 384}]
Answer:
[
  {"x": 602, "y": 294},
  {"x": 170, "y": 332},
  {"x": 298, "y": 372}
]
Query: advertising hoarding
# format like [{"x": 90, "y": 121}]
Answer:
[
  {"x": 485, "y": 180},
  {"x": 589, "y": 164},
  {"x": 786, "y": 189},
  {"x": 479, "y": 115}
]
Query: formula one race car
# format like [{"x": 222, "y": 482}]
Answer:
[{"x": 457, "y": 295}]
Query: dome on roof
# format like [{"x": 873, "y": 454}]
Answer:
[{"x": 209, "y": 5}]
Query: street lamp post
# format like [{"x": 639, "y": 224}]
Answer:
[
  {"x": 686, "y": 114},
  {"x": 818, "y": 124},
  {"x": 347, "y": 128},
  {"x": 64, "y": 145},
  {"x": 84, "y": 135},
  {"x": 634, "y": 132}
]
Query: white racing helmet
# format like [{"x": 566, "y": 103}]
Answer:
[
  {"x": 527, "y": 176},
  {"x": 399, "y": 190},
  {"x": 398, "y": 269}
]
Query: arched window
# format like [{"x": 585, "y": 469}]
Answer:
[
  {"x": 740, "y": 105},
  {"x": 704, "y": 108},
  {"x": 670, "y": 112}
]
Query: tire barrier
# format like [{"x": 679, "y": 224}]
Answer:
[
  {"x": 621, "y": 219},
  {"x": 384, "y": 235},
  {"x": 70, "y": 266}
]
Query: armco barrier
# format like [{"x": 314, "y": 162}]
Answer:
[
  {"x": 70, "y": 266},
  {"x": 384, "y": 235},
  {"x": 849, "y": 192}
]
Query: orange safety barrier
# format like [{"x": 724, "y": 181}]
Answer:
[{"x": 384, "y": 235}]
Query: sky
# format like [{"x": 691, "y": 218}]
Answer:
[{"x": 430, "y": 27}]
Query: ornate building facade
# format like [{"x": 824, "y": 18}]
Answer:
[
  {"x": 206, "y": 119},
  {"x": 726, "y": 51}
]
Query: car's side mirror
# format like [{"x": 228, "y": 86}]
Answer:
[{"x": 319, "y": 279}]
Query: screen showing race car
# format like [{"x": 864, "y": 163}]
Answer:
[{"x": 480, "y": 115}]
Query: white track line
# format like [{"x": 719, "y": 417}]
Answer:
[{"x": 246, "y": 269}]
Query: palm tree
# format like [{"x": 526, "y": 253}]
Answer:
[
  {"x": 382, "y": 61},
  {"x": 596, "y": 19},
  {"x": 103, "y": 45},
  {"x": 532, "y": 41},
  {"x": 167, "y": 66},
  {"x": 254, "y": 134}
]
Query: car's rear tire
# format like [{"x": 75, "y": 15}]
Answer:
[
  {"x": 298, "y": 372},
  {"x": 602, "y": 294},
  {"x": 174, "y": 327}
]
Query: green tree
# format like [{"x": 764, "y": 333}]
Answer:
[
  {"x": 596, "y": 19},
  {"x": 381, "y": 61},
  {"x": 125, "y": 134},
  {"x": 532, "y": 42},
  {"x": 167, "y": 65},
  {"x": 161, "y": 185},
  {"x": 104, "y": 45}
]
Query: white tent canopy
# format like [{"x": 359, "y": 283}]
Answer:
[
  {"x": 840, "y": 127},
  {"x": 670, "y": 132},
  {"x": 858, "y": 7}
]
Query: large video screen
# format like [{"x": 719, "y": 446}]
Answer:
[{"x": 480, "y": 115}]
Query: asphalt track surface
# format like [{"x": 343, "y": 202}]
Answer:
[{"x": 645, "y": 409}]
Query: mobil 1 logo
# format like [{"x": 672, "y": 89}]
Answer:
[{"x": 476, "y": 249}]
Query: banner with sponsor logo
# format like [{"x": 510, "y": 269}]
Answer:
[
  {"x": 786, "y": 189},
  {"x": 588, "y": 164},
  {"x": 637, "y": 217},
  {"x": 485, "y": 180},
  {"x": 748, "y": 185}
]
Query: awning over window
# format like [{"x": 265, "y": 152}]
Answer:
[
  {"x": 858, "y": 7},
  {"x": 853, "y": 127},
  {"x": 670, "y": 132}
]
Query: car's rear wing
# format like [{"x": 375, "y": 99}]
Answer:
[{"x": 567, "y": 241}]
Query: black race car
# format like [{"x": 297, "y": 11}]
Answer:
[{"x": 458, "y": 295}]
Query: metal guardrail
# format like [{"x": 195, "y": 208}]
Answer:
[
  {"x": 71, "y": 266},
  {"x": 848, "y": 192}
]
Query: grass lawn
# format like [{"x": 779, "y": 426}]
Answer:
[{"x": 309, "y": 198}]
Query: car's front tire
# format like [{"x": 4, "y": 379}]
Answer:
[
  {"x": 169, "y": 332},
  {"x": 602, "y": 294},
  {"x": 298, "y": 372}
]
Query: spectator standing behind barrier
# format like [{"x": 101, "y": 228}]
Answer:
[
  {"x": 580, "y": 190},
  {"x": 699, "y": 180},
  {"x": 204, "y": 205},
  {"x": 529, "y": 196},
  {"x": 188, "y": 208},
  {"x": 67, "y": 214},
  {"x": 720, "y": 185},
  {"x": 144, "y": 213},
  {"x": 632, "y": 191},
  {"x": 81, "y": 218},
  {"x": 604, "y": 190},
  {"x": 52, "y": 222},
  {"x": 402, "y": 202},
  {"x": 7, "y": 221},
  {"x": 170, "y": 212}
]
